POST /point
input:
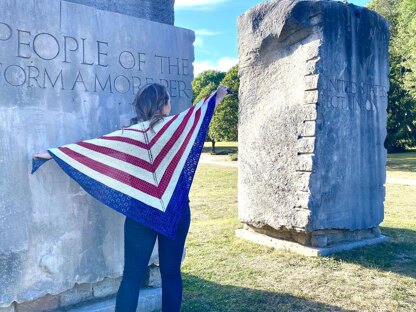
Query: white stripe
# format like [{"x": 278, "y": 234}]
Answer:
[
  {"x": 126, "y": 167},
  {"x": 157, "y": 147},
  {"x": 136, "y": 151},
  {"x": 172, "y": 152},
  {"x": 110, "y": 182},
  {"x": 143, "y": 153},
  {"x": 178, "y": 170},
  {"x": 139, "y": 136},
  {"x": 123, "y": 147}
]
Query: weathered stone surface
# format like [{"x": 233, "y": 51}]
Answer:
[
  {"x": 313, "y": 99},
  {"x": 48, "y": 302},
  {"x": 78, "y": 293},
  {"x": 150, "y": 300},
  {"x": 303, "y": 248},
  {"x": 69, "y": 72},
  {"x": 158, "y": 11},
  {"x": 106, "y": 287},
  {"x": 155, "y": 279},
  {"x": 10, "y": 308}
]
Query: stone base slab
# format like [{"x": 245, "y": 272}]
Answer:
[
  {"x": 150, "y": 300},
  {"x": 304, "y": 250},
  {"x": 99, "y": 297}
]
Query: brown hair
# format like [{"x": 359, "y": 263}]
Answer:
[{"x": 149, "y": 102}]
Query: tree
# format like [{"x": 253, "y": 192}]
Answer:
[
  {"x": 205, "y": 91},
  {"x": 401, "y": 111},
  {"x": 201, "y": 82},
  {"x": 406, "y": 25},
  {"x": 223, "y": 126}
]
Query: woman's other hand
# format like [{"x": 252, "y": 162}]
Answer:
[
  {"x": 42, "y": 155},
  {"x": 221, "y": 93}
]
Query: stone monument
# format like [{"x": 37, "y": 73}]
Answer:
[
  {"x": 312, "y": 125},
  {"x": 69, "y": 72}
]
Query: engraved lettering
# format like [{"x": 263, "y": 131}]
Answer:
[
  {"x": 66, "y": 49},
  {"x": 100, "y": 47},
  {"x": 60, "y": 76},
  {"x": 33, "y": 75},
  {"x": 79, "y": 79},
  {"x": 84, "y": 62},
  {"x": 20, "y": 43},
  {"x": 126, "y": 60},
  {"x": 122, "y": 84},
  {"x": 49, "y": 47},
  {"x": 15, "y": 75},
  {"x": 5, "y": 32},
  {"x": 103, "y": 88}
]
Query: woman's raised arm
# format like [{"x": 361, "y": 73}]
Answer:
[
  {"x": 222, "y": 91},
  {"x": 42, "y": 155}
]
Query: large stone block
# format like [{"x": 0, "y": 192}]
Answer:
[
  {"x": 312, "y": 123},
  {"x": 69, "y": 72},
  {"x": 158, "y": 11}
]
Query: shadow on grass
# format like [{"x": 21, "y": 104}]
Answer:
[
  {"x": 203, "y": 295},
  {"x": 402, "y": 161},
  {"x": 221, "y": 150},
  {"x": 397, "y": 255}
]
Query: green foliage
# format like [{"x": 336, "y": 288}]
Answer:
[
  {"x": 407, "y": 42},
  {"x": 388, "y": 9},
  {"x": 205, "y": 91},
  {"x": 401, "y": 111},
  {"x": 204, "y": 82},
  {"x": 223, "y": 125}
]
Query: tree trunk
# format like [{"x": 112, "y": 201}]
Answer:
[{"x": 212, "y": 147}]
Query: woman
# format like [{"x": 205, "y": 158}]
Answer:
[{"x": 152, "y": 105}]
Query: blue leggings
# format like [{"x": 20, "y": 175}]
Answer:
[{"x": 138, "y": 246}]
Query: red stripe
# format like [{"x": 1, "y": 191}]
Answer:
[
  {"x": 129, "y": 179},
  {"x": 206, "y": 98},
  {"x": 125, "y": 140},
  {"x": 118, "y": 155},
  {"x": 135, "y": 160},
  {"x": 114, "y": 173},
  {"x": 161, "y": 130},
  {"x": 157, "y": 136},
  {"x": 172, "y": 141},
  {"x": 167, "y": 176}
]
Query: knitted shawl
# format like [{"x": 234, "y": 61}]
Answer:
[{"x": 145, "y": 175}]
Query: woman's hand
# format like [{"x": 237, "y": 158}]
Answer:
[
  {"x": 42, "y": 155},
  {"x": 221, "y": 93}
]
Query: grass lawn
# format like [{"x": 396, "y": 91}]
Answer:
[
  {"x": 402, "y": 165},
  {"x": 224, "y": 273}
]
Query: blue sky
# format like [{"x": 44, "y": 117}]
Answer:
[{"x": 215, "y": 25}]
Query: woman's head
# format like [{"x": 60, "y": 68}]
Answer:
[{"x": 152, "y": 102}]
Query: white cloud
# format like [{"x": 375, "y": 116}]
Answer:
[
  {"x": 200, "y": 33},
  {"x": 206, "y": 32},
  {"x": 197, "y": 4},
  {"x": 199, "y": 42},
  {"x": 223, "y": 64}
]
